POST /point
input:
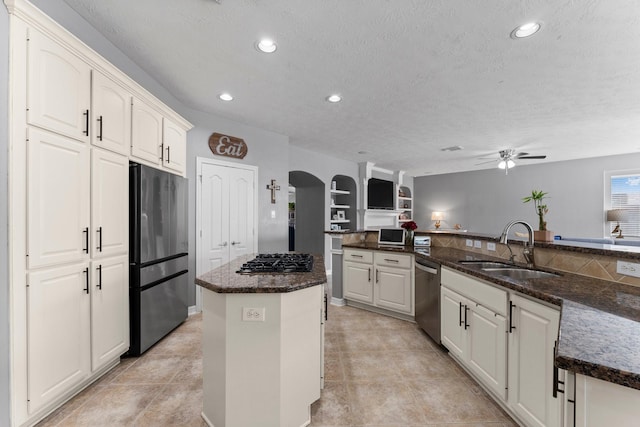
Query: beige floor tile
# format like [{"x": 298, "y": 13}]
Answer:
[
  {"x": 424, "y": 364},
  {"x": 175, "y": 405},
  {"x": 383, "y": 402},
  {"x": 359, "y": 342},
  {"x": 333, "y": 408},
  {"x": 372, "y": 366},
  {"x": 152, "y": 369},
  {"x": 333, "y": 367},
  {"x": 405, "y": 339},
  {"x": 114, "y": 405},
  {"x": 191, "y": 372}
]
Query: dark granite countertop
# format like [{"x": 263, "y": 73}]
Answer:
[
  {"x": 599, "y": 322},
  {"x": 224, "y": 279}
]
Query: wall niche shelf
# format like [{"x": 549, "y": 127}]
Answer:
[
  {"x": 404, "y": 204},
  {"x": 343, "y": 196}
]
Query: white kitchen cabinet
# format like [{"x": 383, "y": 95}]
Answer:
[
  {"x": 109, "y": 203},
  {"x": 393, "y": 290},
  {"x": 358, "y": 275},
  {"x": 533, "y": 333},
  {"x": 57, "y": 199},
  {"x": 109, "y": 310},
  {"x": 379, "y": 279},
  {"x": 111, "y": 114},
  {"x": 59, "y": 84},
  {"x": 146, "y": 132},
  {"x": 602, "y": 403},
  {"x": 174, "y": 147},
  {"x": 58, "y": 325},
  {"x": 473, "y": 328}
]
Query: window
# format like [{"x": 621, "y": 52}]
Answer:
[{"x": 625, "y": 194}]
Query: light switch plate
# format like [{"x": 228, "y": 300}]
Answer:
[
  {"x": 491, "y": 246},
  {"x": 628, "y": 268},
  {"x": 469, "y": 242},
  {"x": 477, "y": 244}
]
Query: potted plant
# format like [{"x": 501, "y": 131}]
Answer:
[
  {"x": 410, "y": 227},
  {"x": 537, "y": 197}
]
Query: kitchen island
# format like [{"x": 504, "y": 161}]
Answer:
[{"x": 262, "y": 343}]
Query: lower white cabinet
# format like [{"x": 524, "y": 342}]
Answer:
[
  {"x": 533, "y": 333},
  {"x": 109, "y": 310},
  {"x": 379, "y": 279},
  {"x": 601, "y": 403},
  {"x": 474, "y": 334},
  {"x": 58, "y": 332}
]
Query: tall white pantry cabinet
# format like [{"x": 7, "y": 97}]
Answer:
[{"x": 72, "y": 134}]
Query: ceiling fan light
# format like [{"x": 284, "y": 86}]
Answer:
[{"x": 506, "y": 164}]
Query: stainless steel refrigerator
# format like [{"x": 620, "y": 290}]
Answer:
[{"x": 158, "y": 254}]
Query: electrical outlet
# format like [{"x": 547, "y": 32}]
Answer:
[
  {"x": 253, "y": 314},
  {"x": 491, "y": 246},
  {"x": 477, "y": 244},
  {"x": 469, "y": 242},
  {"x": 628, "y": 268}
]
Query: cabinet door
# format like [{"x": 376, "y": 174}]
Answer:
[
  {"x": 58, "y": 95},
  {"x": 452, "y": 328},
  {"x": 109, "y": 310},
  {"x": 146, "y": 132},
  {"x": 487, "y": 348},
  {"x": 174, "y": 140},
  {"x": 57, "y": 332},
  {"x": 58, "y": 199},
  {"x": 109, "y": 203},
  {"x": 111, "y": 112},
  {"x": 531, "y": 347},
  {"x": 393, "y": 289},
  {"x": 602, "y": 403},
  {"x": 357, "y": 282}
]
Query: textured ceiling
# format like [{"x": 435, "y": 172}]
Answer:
[{"x": 416, "y": 75}]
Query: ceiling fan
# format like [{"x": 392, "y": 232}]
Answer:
[{"x": 508, "y": 157}]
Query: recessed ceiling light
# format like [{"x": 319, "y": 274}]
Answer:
[
  {"x": 225, "y": 97},
  {"x": 452, "y": 148},
  {"x": 267, "y": 46},
  {"x": 334, "y": 98},
  {"x": 525, "y": 30},
  {"x": 363, "y": 152}
]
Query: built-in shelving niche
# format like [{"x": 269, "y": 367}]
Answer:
[{"x": 342, "y": 205}]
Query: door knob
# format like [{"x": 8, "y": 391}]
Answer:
[
  {"x": 233, "y": 242},
  {"x": 223, "y": 244}
]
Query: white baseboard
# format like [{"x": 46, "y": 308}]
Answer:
[
  {"x": 338, "y": 301},
  {"x": 192, "y": 310}
]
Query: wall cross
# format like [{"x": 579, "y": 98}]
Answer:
[{"x": 273, "y": 187}]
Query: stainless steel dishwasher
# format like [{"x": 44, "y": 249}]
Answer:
[{"x": 427, "y": 280}]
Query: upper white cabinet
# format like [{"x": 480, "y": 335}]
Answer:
[
  {"x": 146, "y": 132},
  {"x": 59, "y": 84},
  {"x": 111, "y": 112},
  {"x": 57, "y": 199},
  {"x": 109, "y": 204},
  {"x": 174, "y": 147}
]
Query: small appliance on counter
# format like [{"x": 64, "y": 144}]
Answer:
[
  {"x": 422, "y": 241},
  {"x": 158, "y": 251}
]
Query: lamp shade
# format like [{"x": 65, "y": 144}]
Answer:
[
  {"x": 617, "y": 215},
  {"x": 437, "y": 216}
]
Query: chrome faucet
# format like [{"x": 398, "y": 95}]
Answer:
[{"x": 528, "y": 246}]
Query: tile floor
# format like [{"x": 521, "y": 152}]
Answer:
[{"x": 379, "y": 371}]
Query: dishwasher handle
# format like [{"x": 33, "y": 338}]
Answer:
[{"x": 426, "y": 269}]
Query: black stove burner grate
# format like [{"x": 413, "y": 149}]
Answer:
[{"x": 278, "y": 263}]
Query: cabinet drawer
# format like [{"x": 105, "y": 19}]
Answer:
[
  {"x": 355, "y": 255},
  {"x": 484, "y": 294},
  {"x": 393, "y": 260}
]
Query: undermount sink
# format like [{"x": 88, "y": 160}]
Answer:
[
  {"x": 519, "y": 273},
  {"x": 486, "y": 264}
]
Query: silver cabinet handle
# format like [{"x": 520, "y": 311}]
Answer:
[
  {"x": 233, "y": 242},
  {"x": 223, "y": 244}
]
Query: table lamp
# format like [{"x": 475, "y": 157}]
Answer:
[
  {"x": 617, "y": 215},
  {"x": 437, "y": 217}
]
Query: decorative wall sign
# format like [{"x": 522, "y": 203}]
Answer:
[{"x": 228, "y": 146}]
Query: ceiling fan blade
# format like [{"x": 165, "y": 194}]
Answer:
[
  {"x": 532, "y": 157},
  {"x": 520, "y": 155},
  {"x": 489, "y": 161}
]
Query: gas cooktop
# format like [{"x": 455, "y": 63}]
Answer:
[{"x": 278, "y": 263}]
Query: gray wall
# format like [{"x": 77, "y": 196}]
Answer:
[
  {"x": 310, "y": 212},
  {"x": 4, "y": 209},
  {"x": 485, "y": 201}
]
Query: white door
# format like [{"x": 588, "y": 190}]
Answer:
[
  {"x": 531, "y": 347},
  {"x": 226, "y": 214},
  {"x": 109, "y": 310},
  {"x": 109, "y": 203},
  {"x": 58, "y": 199},
  {"x": 174, "y": 140},
  {"x": 59, "y": 85},
  {"x": 146, "y": 132},
  {"x": 57, "y": 332},
  {"x": 111, "y": 112}
]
